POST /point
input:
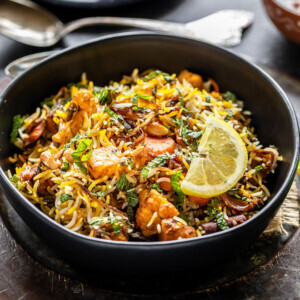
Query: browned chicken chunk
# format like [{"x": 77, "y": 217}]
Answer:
[
  {"x": 172, "y": 230},
  {"x": 106, "y": 232},
  {"x": 86, "y": 102},
  {"x": 152, "y": 209},
  {"x": 194, "y": 79},
  {"x": 105, "y": 162}
]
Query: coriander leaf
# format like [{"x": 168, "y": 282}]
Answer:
[
  {"x": 157, "y": 187},
  {"x": 134, "y": 99},
  {"x": 101, "y": 96},
  {"x": 117, "y": 117},
  {"x": 15, "y": 178},
  {"x": 78, "y": 85},
  {"x": 228, "y": 117},
  {"x": 75, "y": 139},
  {"x": 185, "y": 133},
  {"x": 116, "y": 228},
  {"x": 130, "y": 213},
  {"x": 182, "y": 105},
  {"x": 212, "y": 211},
  {"x": 153, "y": 74},
  {"x": 123, "y": 184},
  {"x": 18, "y": 122},
  {"x": 65, "y": 197},
  {"x": 207, "y": 99},
  {"x": 183, "y": 217},
  {"x": 99, "y": 194},
  {"x": 48, "y": 102},
  {"x": 221, "y": 222},
  {"x": 158, "y": 161},
  {"x": 258, "y": 169},
  {"x": 132, "y": 198},
  {"x": 249, "y": 134},
  {"x": 230, "y": 96},
  {"x": 77, "y": 154},
  {"x": 175, "y": 186},
  {"x": 66, "y": 166}
]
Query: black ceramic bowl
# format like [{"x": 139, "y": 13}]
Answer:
[{"x": 109, "y": 58}]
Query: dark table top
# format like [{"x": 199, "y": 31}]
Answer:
[{"x": 263, "y": 44}]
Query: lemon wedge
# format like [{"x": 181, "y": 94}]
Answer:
[{"x": 222, "y": 161}]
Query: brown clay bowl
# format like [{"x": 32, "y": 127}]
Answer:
[{"x": 286, "y": 20}]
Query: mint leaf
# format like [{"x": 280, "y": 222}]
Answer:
[
  {"x": 158, "y": 161},
  {"x": 123, "y": 184}
]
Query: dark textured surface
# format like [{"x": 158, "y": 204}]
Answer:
[{"x": 21, "y": 277}]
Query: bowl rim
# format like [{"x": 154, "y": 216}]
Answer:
[
  {"x": 6, "y": 183},
  {"x": 276, "y": 3}
]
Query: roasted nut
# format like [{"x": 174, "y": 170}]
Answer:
[
  {"x": 49, "y": 161},
  {"x": 68, "y": 155},
  {"x": 156, "y": 129}
]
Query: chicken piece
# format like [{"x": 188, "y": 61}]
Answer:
[
  {"x": 86, "y": 102},
  {"x": 28, "y": 173},
  {"x": 35, "y": 133},
  {"x": 194, "y": 79},
  {"x": 172, "y": 230},
  {"x": 105, "y": 162},
  {"x": 267, "y": 157},
  {"x": 43, "y": 187},
  {"x": 152, "y": 202},
  {"x": 106, "y": 232},
  {"x": 49, "y": 161}
]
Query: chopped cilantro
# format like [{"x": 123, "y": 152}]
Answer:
[
  {"x": 117, "y": 117},
  {"x": 157, "y": 187},
  {"x": 249, "y": 134},
  {"x": 18, "y": 122},
  {"x": 101, "y": 221},
  {"x": 65, "y": 197},
  {"x": 258, "y": 169},
  {"x": 134, "y": 99},
  {"x": 66, "y": 166},
  {"x": 207, "y": 99},
  {"x": 228, "y": 117},
  {"x": 48, "y": 102},
  {"x": 230, "y": 96},
  {"x": 183, "y": 217},
  {"x": 153, "y": 74},
  {"x": 15, "y": 178},
  {"x": 175, "y": 186},
  {"x": 102, "y": 96},
  {"x": 99, "y": 194}
]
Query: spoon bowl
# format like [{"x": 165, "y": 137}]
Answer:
[{"x": 30, "y": 24}]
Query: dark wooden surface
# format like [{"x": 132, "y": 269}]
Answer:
[{"x": 22, "y": 277}]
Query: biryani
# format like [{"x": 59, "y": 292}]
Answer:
[{"x": 154, "y": 157}]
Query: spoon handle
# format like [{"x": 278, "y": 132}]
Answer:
[{"x": 129, "y": 22}]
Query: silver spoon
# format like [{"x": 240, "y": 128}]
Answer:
[{"x": 28, "y": 23}]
